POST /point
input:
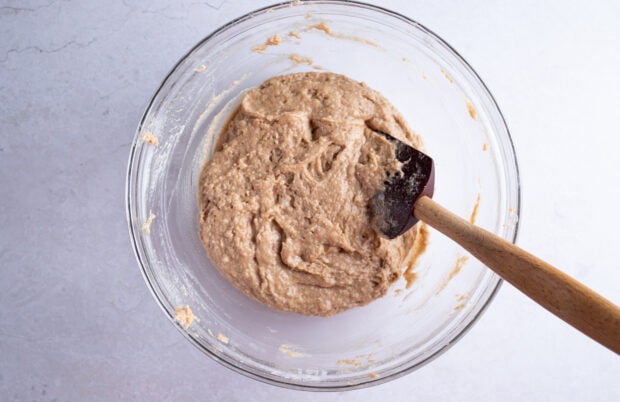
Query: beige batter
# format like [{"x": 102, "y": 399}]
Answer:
[{"x": 284, "y": 200}]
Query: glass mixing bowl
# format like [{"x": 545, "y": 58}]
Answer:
[{"x": 443, "y": 100}]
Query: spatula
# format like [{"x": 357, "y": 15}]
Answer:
[{"x": 406, "y": 198}]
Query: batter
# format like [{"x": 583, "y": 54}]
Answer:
[{"x": 284, "y": 201}]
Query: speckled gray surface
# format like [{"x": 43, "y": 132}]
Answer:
[{"x": 77, "y": 321}]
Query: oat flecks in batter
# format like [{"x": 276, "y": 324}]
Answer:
[
  {"x": 368, "y": 357},
  {"x": 474, "y": 212},
  {"x": 448, "y": 76},
  {"x": 294, "y": 34},
  {"x": 201, "y": 68},
  {"x": 297, "y": 59},
  {"x": 351, "y": 362},
  {"x": 260, "y": 48},
  {"x": 471, "y": 110},
  {"x": 223, "y": 338},
  {"x": 460, "y": 261},
  {"x": 322, "y": 26},
  {"x": 289, "y": 351},
  {"x": 273, "y": 40},
  {"x": 284, "y": 199},
  {"x": 150, "y": 139},
  {"x": 146, "y": 227},
  {"x": 184, "y": 316},
  {"x": 421, "y": 242},
  {"x": 513, "y": 218},
  {"x": 462, "y": 299}
]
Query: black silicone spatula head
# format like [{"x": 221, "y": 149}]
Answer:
[{"x": 392, "y": 208}]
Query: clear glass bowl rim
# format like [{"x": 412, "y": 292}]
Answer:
[{"x": 131, "y": 170}]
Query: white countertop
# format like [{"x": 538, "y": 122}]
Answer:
[{"x": 77, "y": 322}]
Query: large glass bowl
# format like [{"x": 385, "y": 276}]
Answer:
[{"x": 443, "y": 100}]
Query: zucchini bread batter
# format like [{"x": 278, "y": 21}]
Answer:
[{"x": 285, "y": 198}]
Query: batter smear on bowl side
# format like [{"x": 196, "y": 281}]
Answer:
[{"x": 284, "y": 200}]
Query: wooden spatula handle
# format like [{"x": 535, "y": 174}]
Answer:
[{"x": 559, "y": 293}]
